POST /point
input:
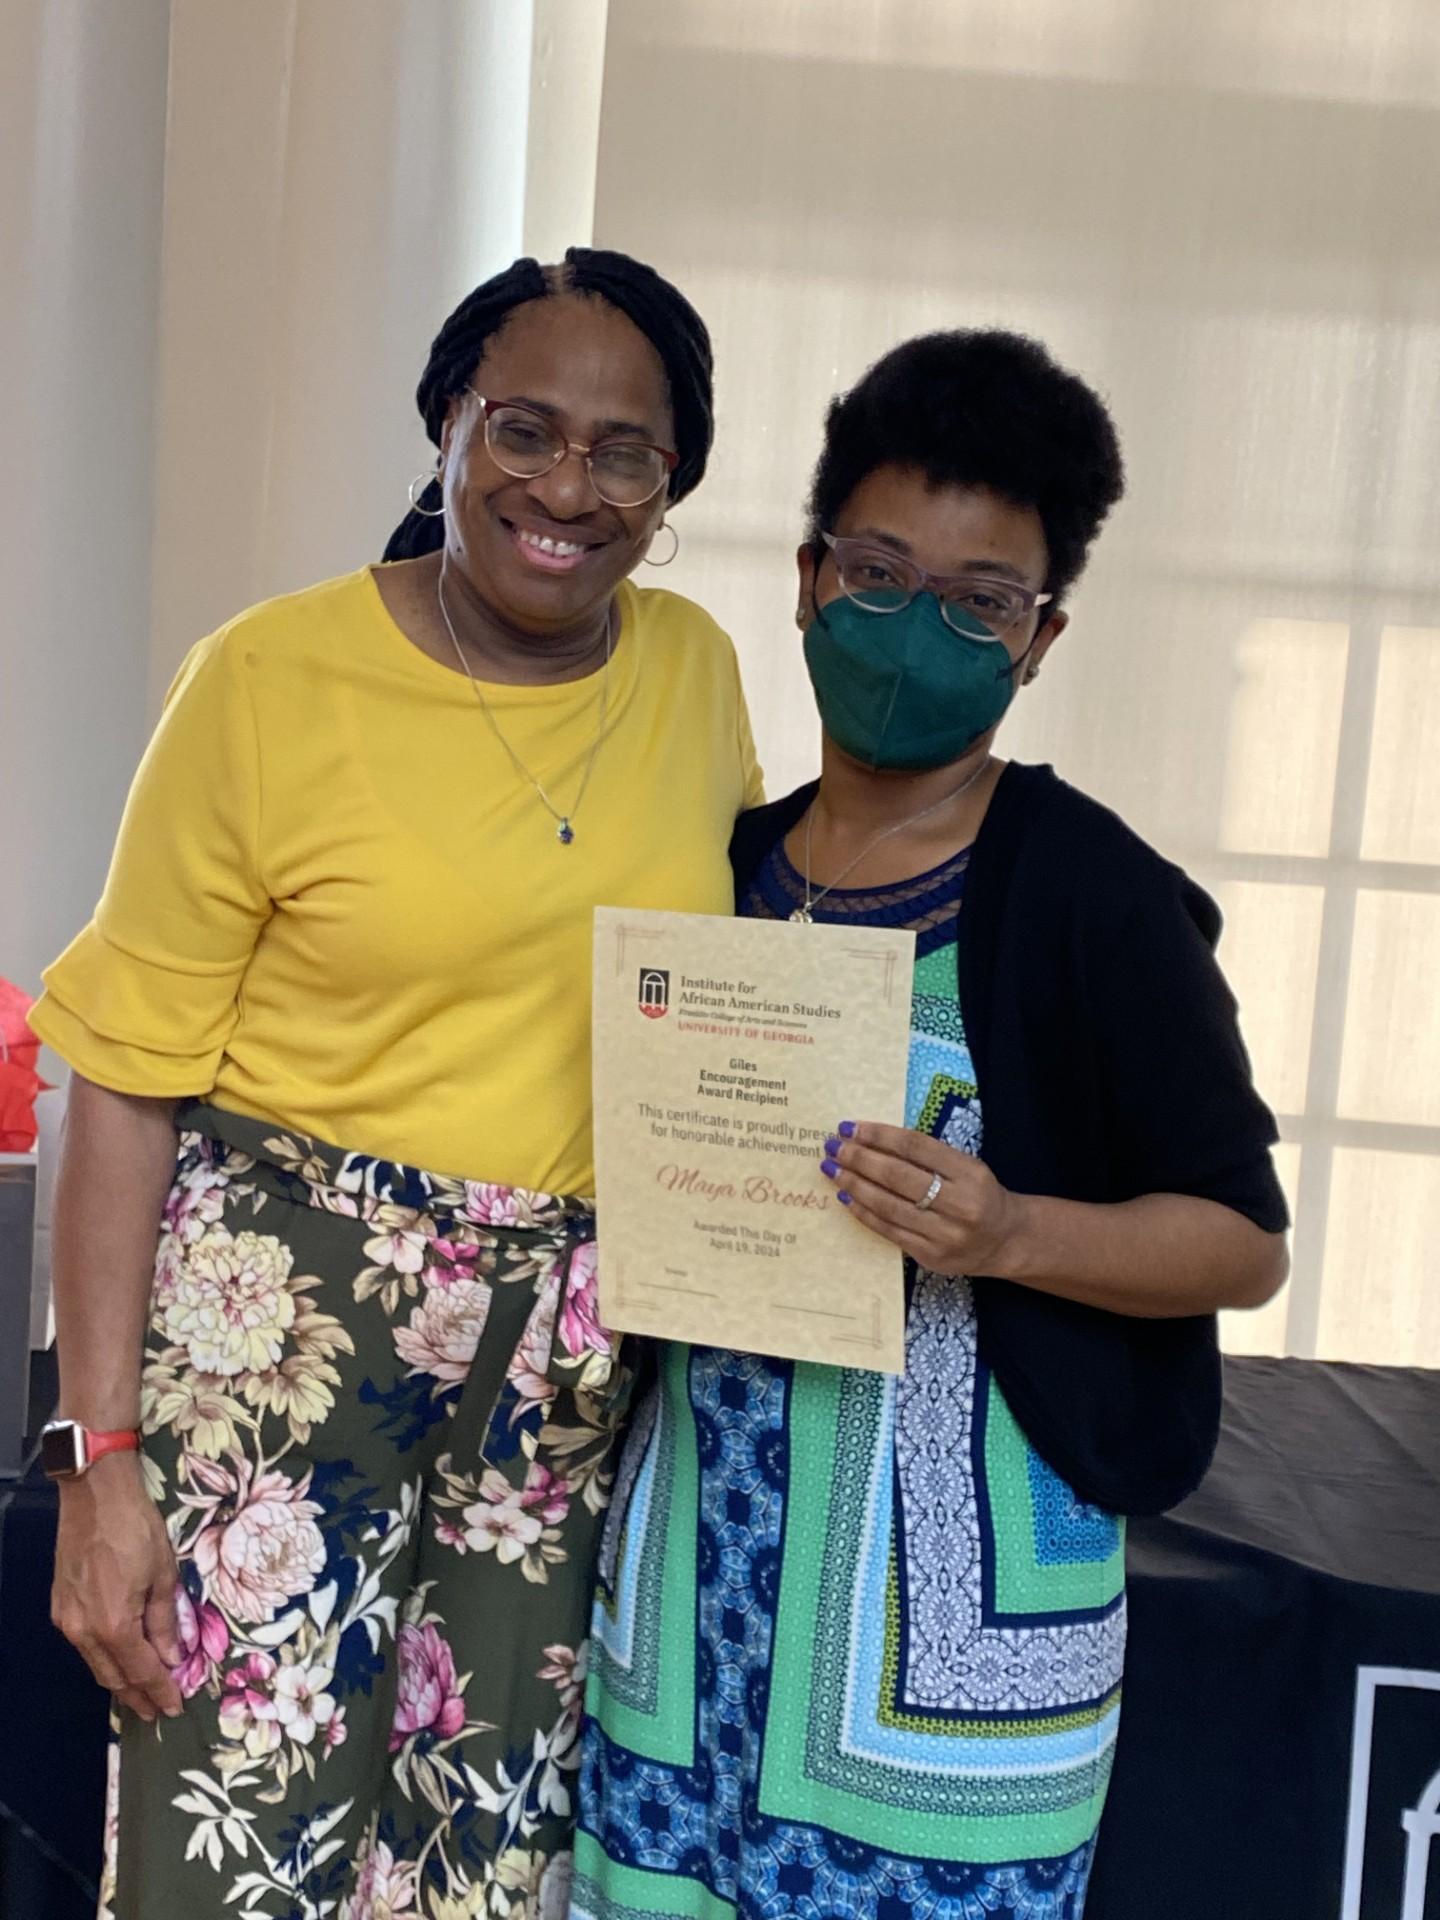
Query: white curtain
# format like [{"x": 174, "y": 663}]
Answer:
[
  {"x": 231, "y": 231},
  {"x": 1229, "y": 218}
]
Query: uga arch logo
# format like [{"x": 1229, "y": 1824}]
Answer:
[
  {"x": 1392, "y": 1838},
  {"x": 654, "y": 992}
]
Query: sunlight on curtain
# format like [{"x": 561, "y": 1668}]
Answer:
[
  {"x": 1402, "y": 805},
  {"x": 1285, "y": 713},
  {"x": 1227, "y": 217}
]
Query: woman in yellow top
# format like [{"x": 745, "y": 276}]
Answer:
[{"x": 343, "y": 952}]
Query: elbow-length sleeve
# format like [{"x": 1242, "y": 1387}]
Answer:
[
  {"x": 752, "y": 780},
  {"x": 1183, "y": 1111},
  {"x": 144, "y": 1000}
]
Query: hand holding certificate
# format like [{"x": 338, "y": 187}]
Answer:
[{"x": 725, "y": 1052}]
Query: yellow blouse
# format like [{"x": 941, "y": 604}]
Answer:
[{"x": 334, "y": 903}]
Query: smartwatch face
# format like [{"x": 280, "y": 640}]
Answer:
[{"x": 62, "y": 1450}]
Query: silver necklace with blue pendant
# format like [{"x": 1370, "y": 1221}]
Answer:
[{"x": 564, "y": 822}]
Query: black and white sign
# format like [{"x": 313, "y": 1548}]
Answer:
[{"x": 1392, "y": 1843}]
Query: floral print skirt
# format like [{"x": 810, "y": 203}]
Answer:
[{"x": 379, "y": 1419}]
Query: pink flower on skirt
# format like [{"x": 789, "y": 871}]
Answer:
[
  {"x": 450, "y": 1261},
  {"x": 247, "y": 1706},
  {"x": 527, "y": 1369},
  {"x": 445, "y": 1329},
  {"x": 545, "y": 1495},
  {"x": 491, "y": 1206},
  {"x": 385, "y": 1889},
  {"x": 204, "y": 1642},
  {"x": 427, "y": 1700},
  {"x": 196, "y": 1201},
  {"x": 267, "y": 1550},
  {"x": 580, "y": 1328}
]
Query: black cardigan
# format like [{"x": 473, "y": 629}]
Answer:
[{"x": 1110, "y": 1064}]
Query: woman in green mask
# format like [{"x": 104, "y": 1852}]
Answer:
[{"x": 859, "y": 1642}]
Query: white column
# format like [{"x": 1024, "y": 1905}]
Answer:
[
  {"x": 339, "y": 175},
  {"x": 82, "y": 131},
  {"x": 237, "y": 230},
  {"x": 567, "y": 72}
]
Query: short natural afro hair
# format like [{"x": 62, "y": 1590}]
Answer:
[{"x": 978, "y": 407}]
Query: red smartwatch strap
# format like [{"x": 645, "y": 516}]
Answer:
[{"x": 97, "y": 1445}]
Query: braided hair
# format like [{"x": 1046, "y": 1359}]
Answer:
[{"x": 659, "y": 310}]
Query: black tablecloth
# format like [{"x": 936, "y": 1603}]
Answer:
[
  {"x": 1302, "y": 1580},
  {"x": 52, "y": 1733},
  {"x": 1305, "y": 1570}
]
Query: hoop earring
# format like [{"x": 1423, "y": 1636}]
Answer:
[
  {"x": 416, "y": 491},
  {"x": 665, "y": 527}
]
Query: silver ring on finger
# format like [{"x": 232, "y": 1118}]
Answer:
[{"x": 930, "y": 1195}]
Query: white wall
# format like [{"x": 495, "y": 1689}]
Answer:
[{"x": 82, "y": 135}]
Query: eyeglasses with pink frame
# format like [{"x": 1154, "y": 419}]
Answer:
[{"x": 526, "y": 444}]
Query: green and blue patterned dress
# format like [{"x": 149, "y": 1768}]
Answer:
[{"x": 857, "y": 1648}]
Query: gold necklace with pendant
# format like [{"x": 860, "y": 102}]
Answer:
[{"x": 564, "y": 822}]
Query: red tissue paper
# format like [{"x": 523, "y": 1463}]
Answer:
[{"x": 19, "y": 1082}]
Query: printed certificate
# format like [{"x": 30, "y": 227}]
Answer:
[{"x": 725, "y": 1052}]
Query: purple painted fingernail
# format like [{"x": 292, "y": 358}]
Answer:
[
  {"x": 832, "y": 1146},
  {"x": 845, "y": 1198},
  {"x": 829, "y": 1168},
  {"x": 847, "y": 1129}
]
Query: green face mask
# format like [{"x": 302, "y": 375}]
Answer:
[{"x": 904, "y": 690}]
